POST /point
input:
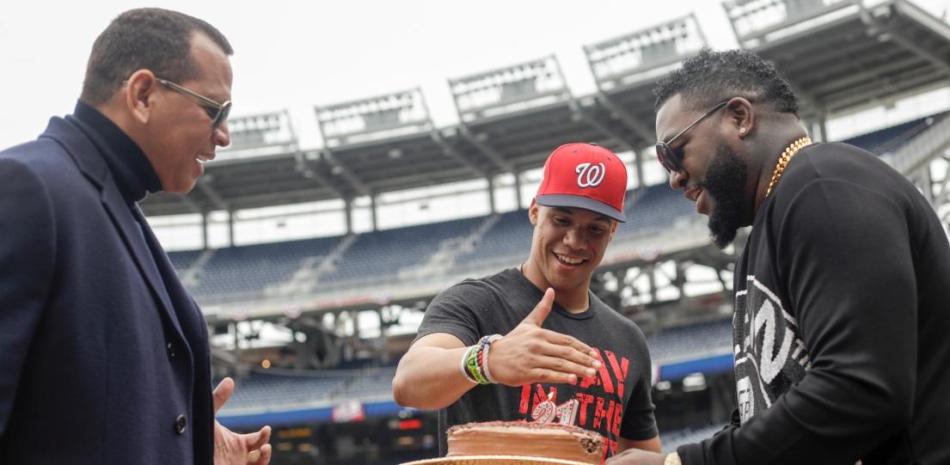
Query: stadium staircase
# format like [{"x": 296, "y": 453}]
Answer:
[
  {"x": 306, "y": 278},
  {"x": 329, "y": 264},
  {"x": 446, "y": 256},
  {"x": 190, "y": 277},
  {"x": 298, "y": 281}
]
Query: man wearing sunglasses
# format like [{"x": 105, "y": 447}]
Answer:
[
  {"x": 841, "y": 293},
  {"x": 104, "y": 358}
]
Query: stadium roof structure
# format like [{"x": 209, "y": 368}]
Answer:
[
  {"x": 840, "y": 55},
  {"x": 845, "y": 55},
  {"x": 627, "y": 68},
  {"x": 517, "y": 114},
  {"x": 510, "y": 120},
  {"x": 262, "y": 167}
]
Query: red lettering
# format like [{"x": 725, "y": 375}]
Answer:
[
  {"x": 604, "y": 375},
  {"x": 599, "y": 413},
  {"x": 539, "y": 394},
  {"x": 620, "y": 370},
  {"x": 588, "y": 381},
  {"x": 611, "y": 446},
  {"x": 525, "y": 399},
  {"x": 585, "y": 400},
  {"x": 618, "y": 417}
]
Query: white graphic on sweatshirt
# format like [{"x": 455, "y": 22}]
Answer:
[
  {"x": 746, "y": 398},
  {"x": 770, "y": 356}
]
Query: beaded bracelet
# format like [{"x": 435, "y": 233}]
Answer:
[
  {"x": 486, "y": 343},
  {"x": 474, "y": 363},
  {"x": 464, "y": 368}
]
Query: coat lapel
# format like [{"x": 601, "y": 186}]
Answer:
[{"x": 90, "y": 162}]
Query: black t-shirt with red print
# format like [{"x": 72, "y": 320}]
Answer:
[{"x": 615, "y": 403}]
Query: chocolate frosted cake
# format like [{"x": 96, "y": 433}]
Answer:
[{"x": 520, "y": 438}]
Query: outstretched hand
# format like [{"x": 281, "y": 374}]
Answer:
[
  {"x": 531, "y": 354},
  {"x": 231, "y": 448}
]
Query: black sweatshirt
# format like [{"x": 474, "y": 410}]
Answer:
[{"x": 842, "y": 322}]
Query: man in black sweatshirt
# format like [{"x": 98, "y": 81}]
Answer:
[{"x": 842, "y": 292}]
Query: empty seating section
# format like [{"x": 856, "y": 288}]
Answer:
[
  {"x": 691, "y": 342},
  {"x": 288, "y": 391},
  {"x": 509, "y": 237},
  {"x": 381, "y": 254},
  {"x": 656, "y": 208},
  {"x": 370, "y": 384},
  {"x": 891, "y": 139},
  {"x": 276, "y": 391},
  {"x": 246, "y": 269},
  {"x": 183, "y": 261}
]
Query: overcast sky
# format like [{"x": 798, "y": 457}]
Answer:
[{"x": 293, "y": 55}]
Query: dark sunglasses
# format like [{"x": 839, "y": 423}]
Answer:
[
  {"x": 672, "y": 160},
  {"x": 218, "y": 112}
]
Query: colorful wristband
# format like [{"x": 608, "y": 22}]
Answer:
[
  {"x": 471, "y": 364},
  {"x": 464, "y": 368},
  {"x": 488, "y": 340}
]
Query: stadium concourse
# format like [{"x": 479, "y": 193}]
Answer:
[{"x": 326, "y": 388}]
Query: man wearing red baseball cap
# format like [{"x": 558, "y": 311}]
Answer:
[{"x": 533, "y": 343}]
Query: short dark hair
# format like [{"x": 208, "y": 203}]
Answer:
[
  {"x": 150, "y": 38},
  {"x": 711, "y": 77}
]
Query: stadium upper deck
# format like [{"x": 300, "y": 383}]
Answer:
[
  {"x": 511, "y": 117},
  {"x": 415, "y": 262}
]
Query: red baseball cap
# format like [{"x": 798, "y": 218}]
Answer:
[{"x": 587, "y": 176}]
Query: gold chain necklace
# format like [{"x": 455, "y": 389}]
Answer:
[{"x": 783, "y": 160}]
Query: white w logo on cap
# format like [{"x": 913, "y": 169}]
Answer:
[{"x": 589, "y": 175}]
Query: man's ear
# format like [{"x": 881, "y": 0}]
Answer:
[
  {"x": 614, "y": 224},
  {"x": 533, "y": 213},
  {"x": 741, "y": 116},
  {"x": 140, "y": 94}
]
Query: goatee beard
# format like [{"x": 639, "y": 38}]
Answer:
[{"x": 725, "y": 182}]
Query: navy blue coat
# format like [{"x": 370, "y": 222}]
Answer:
[{"x": 96, "y": 365}]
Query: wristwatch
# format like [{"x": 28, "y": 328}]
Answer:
[{"x": 673, "y": 459}]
